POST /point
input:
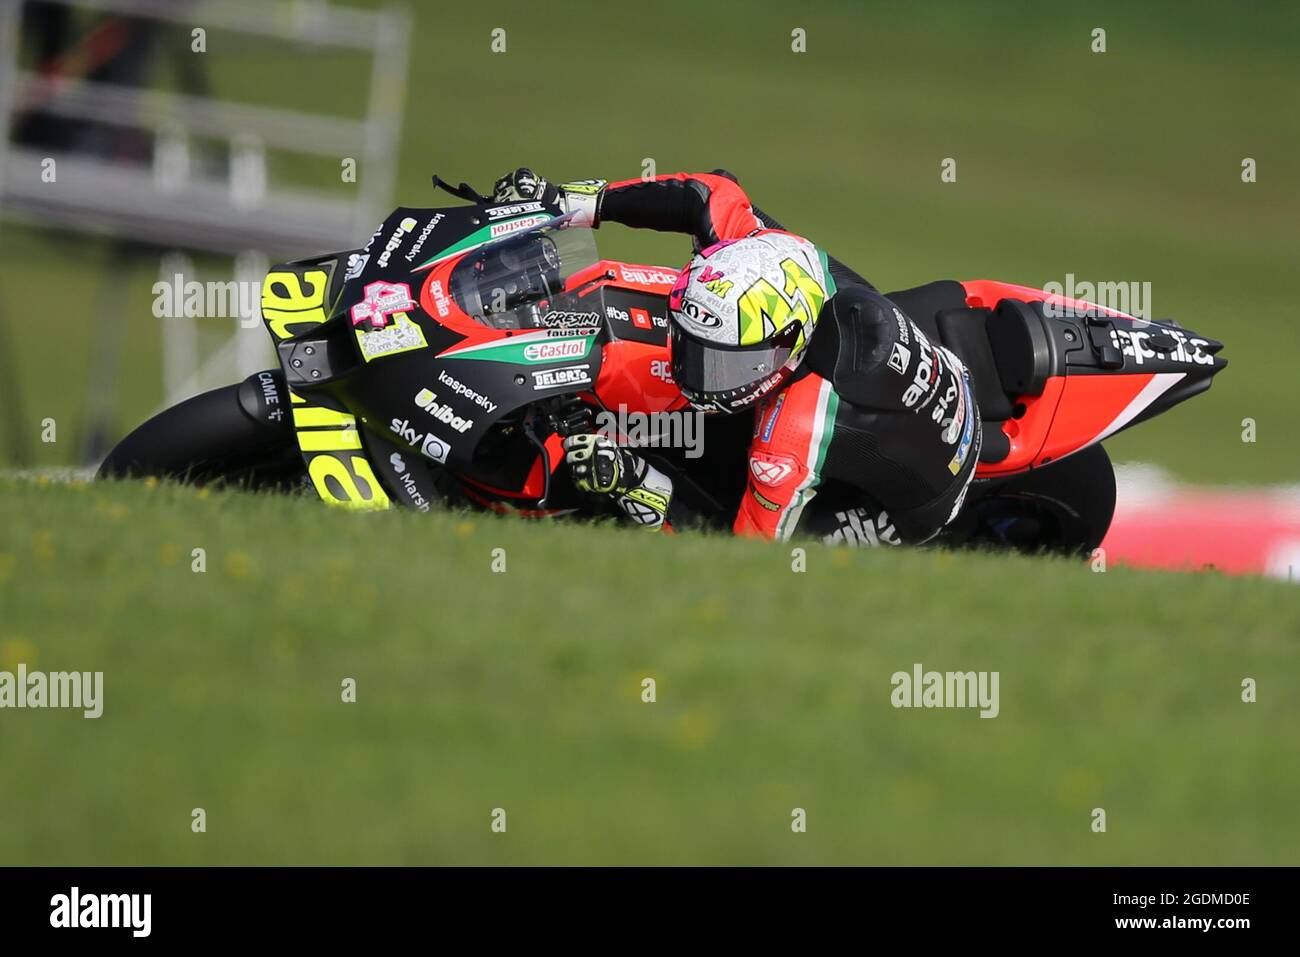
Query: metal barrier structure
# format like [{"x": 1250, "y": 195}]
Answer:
[{"x": 168, "y": 202}]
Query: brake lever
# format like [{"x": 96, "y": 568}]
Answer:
[
  {"x": 463, "y": 191},
  {"x": 530, "y": 432}
]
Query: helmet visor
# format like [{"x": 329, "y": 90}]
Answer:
[{"x": 707, "y": 370}]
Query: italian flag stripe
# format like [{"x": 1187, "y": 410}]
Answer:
[{"x": 828, "y": 404}]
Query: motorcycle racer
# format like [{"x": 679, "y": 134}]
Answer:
[{"x": 865, "y": 430}]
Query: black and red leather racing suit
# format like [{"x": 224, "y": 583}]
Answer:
[{"x": 875, "y": 439}]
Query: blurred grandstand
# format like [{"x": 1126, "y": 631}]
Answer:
[{"x": 113, "y": 129}]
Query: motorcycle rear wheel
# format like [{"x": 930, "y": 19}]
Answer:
[{"x": 1064, "y": 508}]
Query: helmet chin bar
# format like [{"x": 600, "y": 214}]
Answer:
[{"x": 741, "y": 399}]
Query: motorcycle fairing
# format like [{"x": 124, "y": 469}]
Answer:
[
  {"x": 1078, "y": 372},
  {"x": 296, "y": 300}
]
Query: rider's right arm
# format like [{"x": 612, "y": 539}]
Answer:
[{"x": 709, "y": 207}]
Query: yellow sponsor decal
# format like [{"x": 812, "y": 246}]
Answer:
[
  {"x": 348, "y": 482},
  {"x": 292, "y": 299},
  {"x": 336, "y": 463},
  {"x": 765, "y": 310}
]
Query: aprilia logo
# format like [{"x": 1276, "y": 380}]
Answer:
[{"x": 648, "y": 277}]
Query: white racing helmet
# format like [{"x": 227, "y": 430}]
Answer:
[{"x": 742, "y": 314}]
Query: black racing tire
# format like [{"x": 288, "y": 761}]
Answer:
[
  {"x": 1064, "y": 508},
  {"x": 211, "y": 438}
]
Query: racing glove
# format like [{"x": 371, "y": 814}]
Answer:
[
  {"x": 599, "y": 465},
  {"x": 581, "y": 198}
]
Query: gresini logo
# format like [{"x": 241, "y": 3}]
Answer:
[
  {"x": 75, "y": 909},
  {"x": 948, "y": 689},
  {"x": 57, "y": 689},
  {"x": 566, "y": 318}
]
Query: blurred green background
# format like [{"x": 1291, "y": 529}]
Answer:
[{"x": 1119, "y": 166}]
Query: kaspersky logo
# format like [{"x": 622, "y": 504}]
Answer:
[{"x": 428, "y": 401}]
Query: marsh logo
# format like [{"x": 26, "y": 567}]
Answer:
[
  {"x": 946, "y": 689},
  {"x": 131, "y": 911}
]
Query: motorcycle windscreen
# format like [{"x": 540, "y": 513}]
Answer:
[{"x": 514, "y": 282}]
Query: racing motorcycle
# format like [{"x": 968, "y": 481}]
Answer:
[{"x": 443, "y": 364}]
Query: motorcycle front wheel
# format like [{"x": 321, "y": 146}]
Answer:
[{"x": 216, "y": 437}]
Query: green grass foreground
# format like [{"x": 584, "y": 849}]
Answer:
[{"x": 522, "y": 690}]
